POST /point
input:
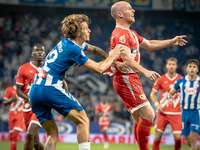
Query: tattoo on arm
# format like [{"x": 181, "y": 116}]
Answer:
[{"x": 99, "y": 52}]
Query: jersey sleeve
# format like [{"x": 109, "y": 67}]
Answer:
[
  {"x": 79, "y": 57},
  {"x": 140, "y": 39},
  {"x": 7, "y": 94},
  {"x": 176, "y": 84},
  {"x": 20, "y": 76},
  {"x": 156, "y": 85}
]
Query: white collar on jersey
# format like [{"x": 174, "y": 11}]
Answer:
[
  {"x": 123, "y": 28},
  {"x": 198, "y": 78},
  {"x": 82, "y": 46}
]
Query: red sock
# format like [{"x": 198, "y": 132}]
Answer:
[
  {"x": 155, "y": 145},
  {"x": 177, "y": 145},
  {"x": 135, "y": 131},
  {"x": 143, "y": 133},
  {"x": 105, "y": 135},
  {"x": 14, "y": 140}
]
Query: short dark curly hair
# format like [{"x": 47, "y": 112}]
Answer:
[
  {"x": 195, "y": 61},
  {"x": 71, "y": 25}
]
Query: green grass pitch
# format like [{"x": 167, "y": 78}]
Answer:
[{"x": 70, "y": 146}]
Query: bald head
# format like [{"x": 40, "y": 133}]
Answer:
[{"x": 118, "y": 7}]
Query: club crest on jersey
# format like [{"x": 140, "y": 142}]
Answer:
[
  {"x": 142, "y": 96},
  {"x": 122, "y": 39},
  {"x": 190, "y": 91},
  {"x": 196, "y": 85}
]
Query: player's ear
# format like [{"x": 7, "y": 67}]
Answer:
[{"x": 119, "y": 14}]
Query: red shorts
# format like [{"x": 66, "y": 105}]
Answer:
[
  {"x": 15, "y": 121},
  {"x": 29, "y": 117},
  {"x": 104, "y": 123},
  {"x": 163, "y": 119},
  {"x": 130, "y": 89}
]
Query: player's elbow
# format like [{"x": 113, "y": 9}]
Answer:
[{"x": 99, "y": 71}]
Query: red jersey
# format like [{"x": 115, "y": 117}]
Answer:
[
  {"x": 105, "y": 109},
  {"x": 25, "y": 77},
  {"x": 14, "y": 107},
  {"x": 164, "y": 84},
  {"x": 128, "y": 38}
]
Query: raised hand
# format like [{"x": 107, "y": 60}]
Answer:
[
  {"x": 178, "y": 40},
  {"x": 122, "y": 67},
  {"x": 152, "y": 75},
  {"x": 116, "y": 52},
  {"x": 170, "y": 100}
]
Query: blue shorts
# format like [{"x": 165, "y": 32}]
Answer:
[
  {"x": 190, "y": 121},
  {"x": 44, "y": 98}
]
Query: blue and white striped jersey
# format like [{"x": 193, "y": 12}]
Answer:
[
  {"x": 189, "y": 92},
  {"x": 60, "y": 60}
]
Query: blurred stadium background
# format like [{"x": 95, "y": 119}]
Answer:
[{"x": 26, "y": 22}]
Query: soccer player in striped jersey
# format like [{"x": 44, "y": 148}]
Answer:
[
  {"x": 15, "y": 119},
  {"x": 165, "y": 113},
  {"x": 104, "y": 110},
  {"x": 190, "y": 102},
  {"x": 47, "y": 91}
]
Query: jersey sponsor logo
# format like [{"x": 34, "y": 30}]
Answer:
[
  {"x": 142, "y": 96},
  {"x": 190, "y": 91},
  {"x": 122, "y": 39},
  {"x": 41, "y": 74}
]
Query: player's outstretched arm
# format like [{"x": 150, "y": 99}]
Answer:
[
  {"x": 152, "y": 75},
  {"x": 100, "y": 67},
  {"x": 21, "y": 94},
  {"x": 97, "y": 51},
  {"x": 160, "y": 44},
  {"x": 102, "y": 54}
]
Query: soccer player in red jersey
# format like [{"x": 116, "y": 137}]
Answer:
[
  {"x": 128, "y": 85},
  {"x": 167, "y": 113},
  {"x": 15, "y": 120},
  {"x": 103, "y": 110},
  {"x": 25, "y": 78}
]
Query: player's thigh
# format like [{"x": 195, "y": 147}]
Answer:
[
  {"x": 19, "y": 123},
  {"x": 78, "y": 116},
  {"x": 147, "y": 113},
  {"x": 176, "y": 123},
  {"x": 185, "y": 123},
  {"x": 161, "y": 122},
  {"x": 194, "y": 121},
  {"x": 130, "y": 90}
]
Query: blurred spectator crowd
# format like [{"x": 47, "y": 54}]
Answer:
[{"x": 18, "y": 33}]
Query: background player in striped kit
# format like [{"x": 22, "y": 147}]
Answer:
[
  {"x": 49, "y": 77},
  {"x": 189, "y": 87},
  {"x": 128, "y": 86},
  {"x": 167, "y": 113},
  {"x": 15, "y": 119},
  {"x": 104, "y": 110},
  {"x": 25, "y": 78}
]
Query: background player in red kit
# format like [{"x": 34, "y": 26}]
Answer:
[
  {"x": 24, "y": 80},
  {"x": 103, "y": 110},
  {"x": 128, "y": 85},
  {"x": 167, "y": 113},
  {"x": 15, "y": 120}
]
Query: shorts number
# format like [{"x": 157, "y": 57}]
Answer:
[{"x": 138, "y": 88}]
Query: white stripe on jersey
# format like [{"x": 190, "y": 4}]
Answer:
[
  {"x": 198, "y": 101},
  {"x": 126, "y": 80},
  {"x": 181, "y": 93},
  {"x": 186, "y": 100},
  {"x": 39, "y": 80},
  {"x": 48, "y": 80}
]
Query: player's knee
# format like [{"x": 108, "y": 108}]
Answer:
[
  {"x": 193, "y": 140},
  {"x": 29, "y": 136},
  {"x": 177, "y": 137},
  {"x": 157, "y": 138}
]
